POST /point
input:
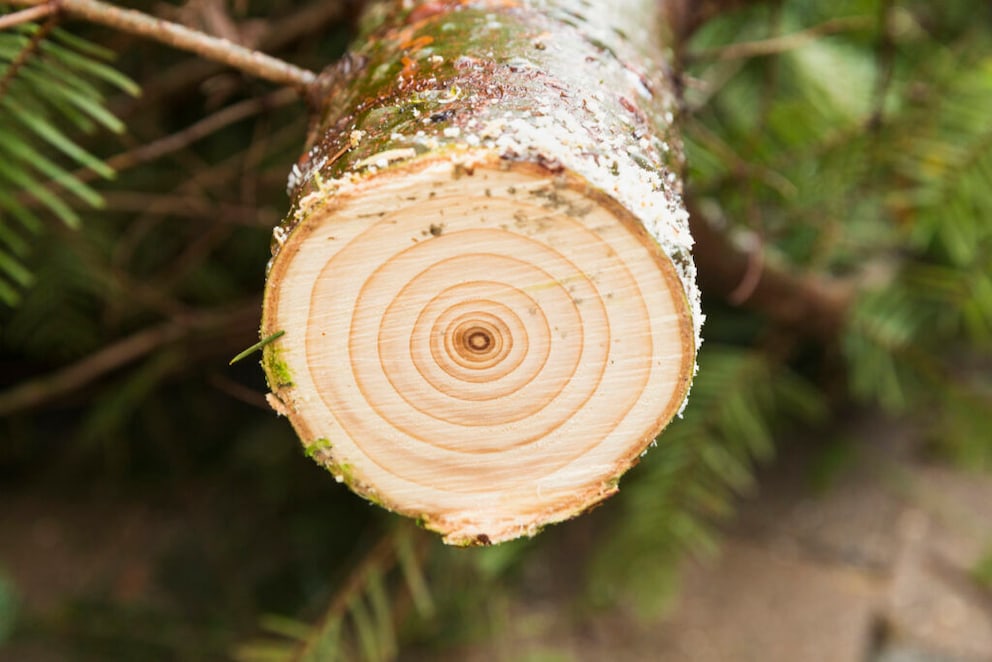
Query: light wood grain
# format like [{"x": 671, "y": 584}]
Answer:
[{"x": 487, "y": 351}]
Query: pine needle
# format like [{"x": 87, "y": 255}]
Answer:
[
  {"x": 257, "y": 346},
  {"x": 49, "y": 85}
]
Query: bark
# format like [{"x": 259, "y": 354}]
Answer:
[{"x": 484, "y": 281}]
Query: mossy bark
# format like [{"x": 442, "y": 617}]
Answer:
[
  {"x": 430, "y": 76},
  {"x": 578, "y": 92}
]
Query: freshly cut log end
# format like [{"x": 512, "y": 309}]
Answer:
[
  {"x": 482, "y": 345},
  {"x": 485, "y": 289}
]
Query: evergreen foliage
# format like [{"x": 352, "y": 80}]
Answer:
[
  {"x": 360, "y": 622},
  {"x": 8, "y": 607},
  {"x": 870, "y": 161},
  {"x": 861, "y": 152},
  {"x": 738, "y": 399},
  {"x": 51, "y": 79}
]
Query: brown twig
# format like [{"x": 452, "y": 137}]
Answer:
[
  {"x": 76, "y": 376},
  {"x": 194, "y": 253},
  {"x": 191, "y": 134},
  {"x": 785, "y": 42},
  {"x": 384, "y": 555},
  {"x": 210, "y": 180},
  {"x": 178, "y": 36},
  {"x": 238, "y": 391},
  {"x": 191, "y": 206},
  {"x": 313, "y": 18},
  {"x": 752, "y": 275},
  {"x": 815, "y": 307},
  {"x": 27, "y": 15},
  {"x": 686, "y": 16}
]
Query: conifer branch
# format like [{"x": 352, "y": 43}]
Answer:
[
  {"x": 787, "y": 42},
  {"x": 379, "y": 559},
  {"x": 312, "y": 19},
  {"x": 25, "y": 54},
  {"x": 816, "y": 307},
  {"x": 27, "y": 15},
  {"x": 116, "y": 355},
  {"x": 178, "y": 36},
  {"x": 197, "y": 131},
  {"x": 686, "y": 16}
]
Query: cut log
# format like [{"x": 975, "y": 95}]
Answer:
[{"x": 484, "y": 283}]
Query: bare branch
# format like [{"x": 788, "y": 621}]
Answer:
[
  {"x": 685, "y": 16},
  {"x": 785, "y": 42},
  {"x": 282, "y": 33},
  {"x": 178, "y": 36},
  {"x": 61, "y": 382},
  {"x": 816, "y": 307},
  {"x": 27, "y": 15},
  {"x": 194, "y": 132}
]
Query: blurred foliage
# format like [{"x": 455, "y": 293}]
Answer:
[
  {"x": 849, "y": 139},
  {"x": 360, "y": 621},
  {"x": 50, "y": 79},
  {"x": 688, "y": 483},
  {"x": 983, "y": 570},
  {"x": 8, "y": 607},
  {"x": 864, "y": 153}
]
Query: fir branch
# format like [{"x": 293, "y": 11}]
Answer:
[
  {"x": 379, "y": 559},
  {"x": 29, "y": 50},
  {"x": 178, "y": 36},
  {"x": 673, "y": 500},
  {"x": 195, "y": 132},
  {"x": 239, "y": 392},
  {"x": 315, "y": 18},
  {"x": 784, "y": 43},
  {"x": 76, "y": 376},
  {"x": 361, "y": 614},
  {"x": 814, "y": 305},
  {"x": 49, "y": 82},
  {"x": 27, "y": 15}
]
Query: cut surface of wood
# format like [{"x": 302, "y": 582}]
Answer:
[
  {"x": 481, "y": 346},
  {"x": 485, "y": 285}
]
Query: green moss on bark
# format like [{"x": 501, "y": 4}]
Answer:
[{"x": 276, "y": 369}]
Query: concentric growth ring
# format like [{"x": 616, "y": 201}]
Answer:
[
  {"x": 492, "y": 346},
  {"x": 476, "y": 345},
  {"x": 436, "y": 406}
]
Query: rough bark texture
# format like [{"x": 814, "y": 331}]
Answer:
[{"x": 484, "y": 281}]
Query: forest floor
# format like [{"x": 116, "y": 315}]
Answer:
[{"x": 855, "y": 549}]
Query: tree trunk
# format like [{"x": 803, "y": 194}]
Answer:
[{"x": 484, "y": 282}]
